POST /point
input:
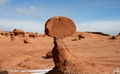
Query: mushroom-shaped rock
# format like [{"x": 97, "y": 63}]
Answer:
[
  {"x": 59, "y": 27},
  {"x": 65, "y": 61}
]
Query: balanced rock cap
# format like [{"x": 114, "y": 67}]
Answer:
[{"x": 59, "y": 27}]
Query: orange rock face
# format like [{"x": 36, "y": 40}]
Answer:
[
  {"x": 18, "y": 32},
  {"x": 65, "y": 61},
  {"x": 60, "y": 27},
  {"x": 19, "y": 36}
]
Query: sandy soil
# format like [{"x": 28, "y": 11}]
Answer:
[{"x": 93, "y": 48}]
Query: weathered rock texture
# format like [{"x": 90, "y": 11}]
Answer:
[
  {"x": 49, "y": 54},
  {"x": 0, "y": 32},
  {"x": 5, "y": 33},
  {"x": 19, "y": 36},
  {"x": 18, "y": 32},
  {"x": 65, "y": 61},
  {"x": 59, "y": 27}
]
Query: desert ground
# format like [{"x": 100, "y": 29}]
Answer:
[{"x": 93, "y": 48}]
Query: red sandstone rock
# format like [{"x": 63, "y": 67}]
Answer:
[
  {"x": 16, "y": 39},
  {"x": 18, "y": 32},
  {"x": 49, "y": 54},
  {"x": 60, "y": 27},
  {"x": 67, "y": 63},
  {"x": 19, "y": 36},
  {"x": 26, "y": 40}
]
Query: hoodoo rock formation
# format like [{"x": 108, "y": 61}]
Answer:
[
  {"x": 19, "y": 36},
  {"x": 65, "y": 61},
  {"x": 18, "y": 32},
  {"x": 57, "y": 27}
]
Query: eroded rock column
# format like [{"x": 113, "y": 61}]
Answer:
[{"x": 65, "y": 61}]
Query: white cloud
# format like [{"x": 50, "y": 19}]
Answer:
[
  {"x": 26, "y": 25},
  {"x": 27, "y": 10},
  {"x": 3, "y": 4},
  {"x": 34, "y": 2},
  {"x": 26, "y": 3},
  {"x": 110, "y": 27}
]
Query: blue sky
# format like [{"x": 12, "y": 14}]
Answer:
[{"x": 88, "y": 15}]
